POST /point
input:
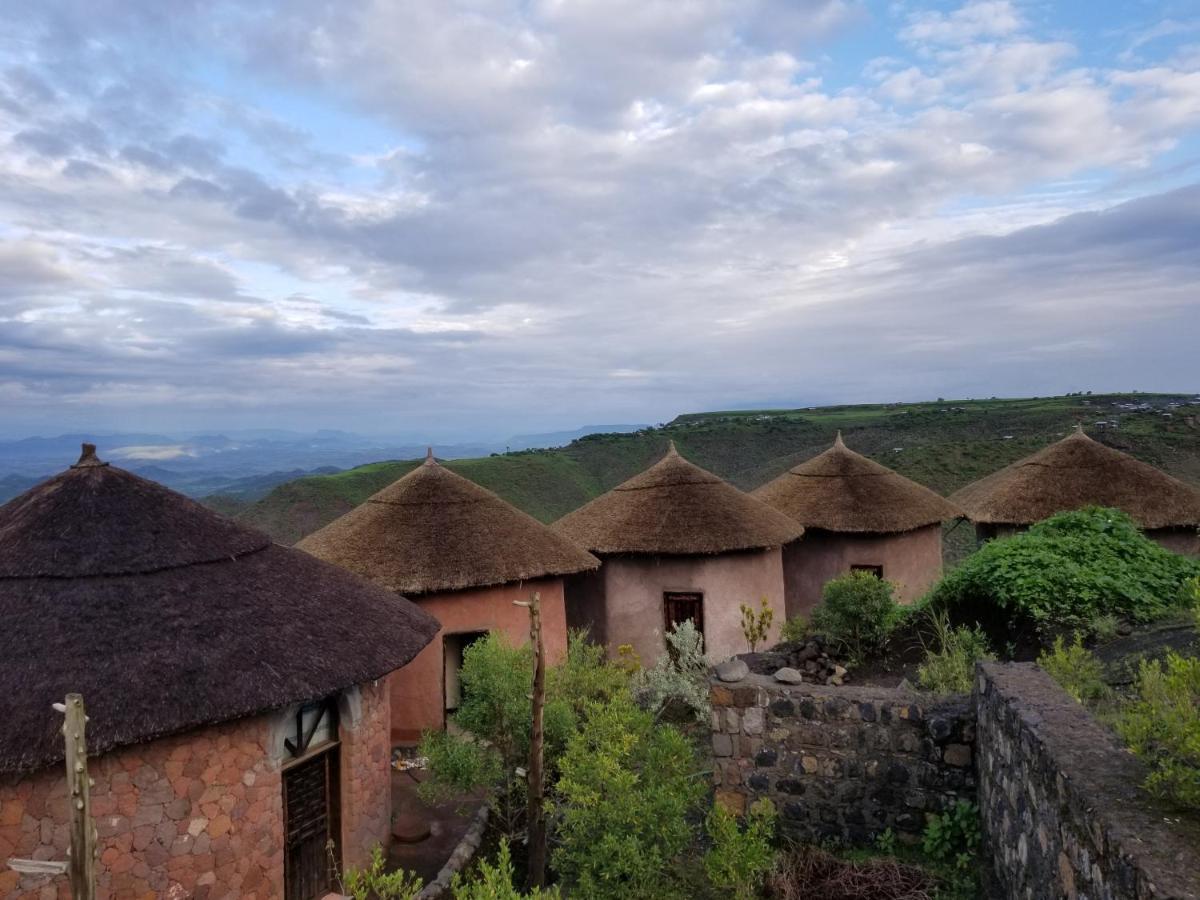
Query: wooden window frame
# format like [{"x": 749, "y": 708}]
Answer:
[
  {"x": 876, "y": 570},
  {"x": 695, "y": 597}
]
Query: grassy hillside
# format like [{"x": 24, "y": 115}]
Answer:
[{"x": 941, "y": 444}]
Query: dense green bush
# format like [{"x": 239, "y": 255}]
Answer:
[
  {"x": 795, "y": 630},
  {"x": 949, "y": 666},
  {"x": 627, "y": 788},
  {"x": 495, "y": 882},
  {"x": 740, "y": 858},
  {"x": 1162, "y": 726},
  {"x": 1076, "y": 670},
  {"x": 375, "y": 883},
  {"x": 1065, "y": 572},
  {"x": 857, "y": 611}
]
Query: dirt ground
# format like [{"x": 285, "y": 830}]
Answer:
[{"x": 447, "y": 823}]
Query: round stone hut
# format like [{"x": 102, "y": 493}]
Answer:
[
  {"x": 464, "y": 556},
  {"x": 1078, "y": 471},
  {"x": 238, "y": 723},
  {"x": 857, "y": 515},
  {"x": 677, "y": 543}
]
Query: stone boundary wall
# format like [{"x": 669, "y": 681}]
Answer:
[
  {"x": 1063, "y": 814},
  {"x": 841, "y": 762}
]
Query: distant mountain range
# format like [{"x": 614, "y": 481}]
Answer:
[{"x": 240, "y": 465}]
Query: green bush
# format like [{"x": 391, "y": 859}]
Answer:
[
  {"x": 757, "y": 625},
  {"x": 1076, "y": 669},
  {"x": 950, "y": 669},
  {"x": 373, "y": 883},
  {"x": 795, "y": 630},
  {"x": 739, "y": 859},
  {"x": 952, "y": 840},
  {"x": 857, "y": 611},
  {"x": 1162, "y": 726},
  {"x": 495, "y": 882},
  {"x": 1065, "y": 572},
  {"x": 679, "y": 677},
  {"x": 627, "y": 788}
]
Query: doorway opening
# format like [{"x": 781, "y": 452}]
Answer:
[{"x": 453, "y": 647}]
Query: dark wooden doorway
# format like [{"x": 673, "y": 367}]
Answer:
[
  {"x": 311, "y": 821},
  {"x": 680, "y": 606}
]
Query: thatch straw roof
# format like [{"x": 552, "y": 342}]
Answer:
[
  {"x": 676, "y": 508},
  {"x": 1078, "y": 471},
  {"x": 840, "y": 490},
  {"x": 166, "y": 616},
  {"x": 434, "y": 530}
]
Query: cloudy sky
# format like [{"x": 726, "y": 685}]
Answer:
[{"x": 442, "y": 218}]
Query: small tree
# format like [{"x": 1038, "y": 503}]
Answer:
[
  {"x": 739, "y": 859},
  {"x": 627, "y": 788},
  {"x": 1163, "y": 727},
  {"x": 858, "y": 612},
  {"x": 680, "y": 675},
  {"x": 757, "y": 625}
]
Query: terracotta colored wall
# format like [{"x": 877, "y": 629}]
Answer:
[
  {"x": 417, "y": 699},
  {"x": 911, "y": 559},
  {"x": 633, "y": 598},
  {"x": 195, "y": 815}
]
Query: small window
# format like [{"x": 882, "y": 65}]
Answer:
[
  {"x": 877, "y": 571},
  {"x": 680, "y": 606}
]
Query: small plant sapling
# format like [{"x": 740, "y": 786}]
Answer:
[{"x": 757, "y": 625}]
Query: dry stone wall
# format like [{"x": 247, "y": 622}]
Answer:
[
  {"x": 841, "y": 762},
  {"x": 1063, "y": 815}
]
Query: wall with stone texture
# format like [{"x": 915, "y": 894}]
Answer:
[
  {"x": 198, "y": 814},
  {"x": 841, "y": 762},
  {"x": 1063, "y": 813}
]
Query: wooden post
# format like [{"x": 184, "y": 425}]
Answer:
[
  {"x": 82, "y": 850},
  {"x": 537, "y": 788}
]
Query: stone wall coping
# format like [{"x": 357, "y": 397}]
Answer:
[
  {"x": 1098, "y": 771},
  {"x": 852, "y": 692}
]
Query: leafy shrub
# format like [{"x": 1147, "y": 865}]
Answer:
[
  {"x": 858, "y": 612},
  {"x": 795, "y": 630},
  {"x": 1066, "y": 571},
  {"x": 680, "y": 675},
  {"x": 1162, "y": 726},
  {"x": 951, "y": 668},
  {"x": 756, "y": 625},
  {"x": 954, "y": 835},
  {"x": 1076, "y": 669},
  {"x": 373, "y": 883},
  {"x": 1103, "y": 627},
  {"x": 626, "y": 789},
  {"x": 495, "y": 882},
  {"x": 739, "y": 859}
]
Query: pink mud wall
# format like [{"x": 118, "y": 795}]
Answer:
[
  {"x": 197, "y": 815},
  {"x": 418, "y": 701},
  {"x": 623, "y": 604},
  {"x": 912, "y": 560}
]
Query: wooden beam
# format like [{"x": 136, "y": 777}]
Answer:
[{"x": 81, "y": 861}]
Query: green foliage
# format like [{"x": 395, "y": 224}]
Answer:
[
  {"x": 739, "y": 859},
  {"x": 373, "y": 883},
  {"x": 795, "y": 630},
  {"x": 457, "y": 764},
  {"x": 757, "y": 625},
  {"x": 953, "y": 837},
  {"x": 495, "y": 882},
  {"x": 1066, "y": 571},
  {"x": 858, "y": 612},
  {"x": 1162, "y": 726},
  {"x": 1076, "y": 669},
  {"x": 950, "y": 669},
  {"x": 1103, "y": 627},
  {"x": 679, "y": 677},
  {"x": 885, "y": 842},
  {"x": 626, "y": 789}
]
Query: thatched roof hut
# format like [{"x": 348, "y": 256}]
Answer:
[
  {"x": 434, "y": 531},
  {"x": 1074, "y": 472},
  {"x": 167, "y": 616},
  {"x": 676, "y": 508},
  {"x": 840, "y": 490}
]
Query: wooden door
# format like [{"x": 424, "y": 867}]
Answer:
[
  {"x": 310, "y": 798},
  {"x": 680, "y": 606}
]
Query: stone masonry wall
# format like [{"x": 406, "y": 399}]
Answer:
[
  {"x": 1063, "y": 814},
  {"x": 841, "y": 762},
  {"x": 200, "y": 814}
]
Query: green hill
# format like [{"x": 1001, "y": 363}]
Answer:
[{"x": 942, "y": 444}]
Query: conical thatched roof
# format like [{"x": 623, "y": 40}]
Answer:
[
  {"x": 434, "y": 530},
  {"x": 675, "y": 507},
  {"x": 1077, "y": 471},
  {"x": 840, "y": 490},
  {"x": 166, "y": 616}
]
